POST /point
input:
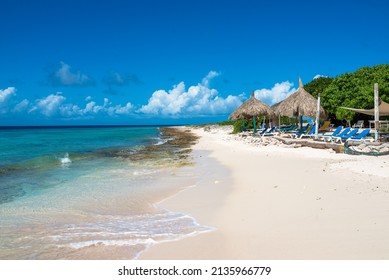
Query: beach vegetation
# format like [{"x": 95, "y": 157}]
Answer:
[
  {"x": 226, "y": 123},
  {"x": 237, "y": 125},
  {"x": 318, "y": 85},
  {"x": 354, "y": 90},
  {"x": 241, "y": 125}
]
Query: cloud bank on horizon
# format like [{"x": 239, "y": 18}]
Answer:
[{"x": 200, "y": 100}]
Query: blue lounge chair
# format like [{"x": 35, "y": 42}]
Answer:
[
  {"x": 346, "y": 136},
  {"x": 304, "y": 128},
  {"x": 262, "y": 131},
  {"x": 271, "y": 132},
  {"x": 262, "y": 126},
  {"x": 361, "y": 136},
  {"x": 310, "y": 133},
  {"x": 324, "y": 136},
  {"x": 287, "y": 128},
  {"x": 340, "y": 134},
  {"x": 300, "y": 131}
]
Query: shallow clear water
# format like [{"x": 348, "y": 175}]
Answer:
[{"x": 86, "y": 193}]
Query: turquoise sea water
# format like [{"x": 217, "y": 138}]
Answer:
[{"x": 87, "y": 193}]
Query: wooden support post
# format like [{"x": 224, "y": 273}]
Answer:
[
  {"x": 376, "y": 113},
  {"x": 317, "y": 117}
]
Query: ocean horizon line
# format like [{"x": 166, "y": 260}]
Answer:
[{"x": 85, "y": 126}]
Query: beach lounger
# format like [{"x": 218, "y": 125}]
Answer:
[
  {"x": 327, "y": 137},
  {"x": 325, "y": 126},
  {"x": 298, "y": 132},
  {"x": 344, "y": 137},
  {"x": 287, "y": 128},
  {"x": 304, "y": 130},
  {"x": 360, "y": 136},
  {"x": 271, "y": 132},
  {"x": 262, "y": 126},
  {"x": 340, "y": 134},
  {"x": 358, "y": 124},
  {"x": 262, "y": 131},
  {"x": 310, "y": 133}
]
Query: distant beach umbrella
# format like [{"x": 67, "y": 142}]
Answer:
[
  {"x": 251, "y": 109},
  {"x": 299, "y": 104}
]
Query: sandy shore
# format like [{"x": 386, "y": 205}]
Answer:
[{"x": 274, "y": 202}]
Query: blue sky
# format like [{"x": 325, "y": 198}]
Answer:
[{"x": 156, "y": 62}]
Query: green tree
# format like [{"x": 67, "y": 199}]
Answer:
[
  {"x": 355, "y": 90},
  {"x": 318, "y": 85}
]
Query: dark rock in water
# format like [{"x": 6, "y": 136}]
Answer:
[
  {"x": 180, "y": 138},
  {"x": 176, "y": 150}
]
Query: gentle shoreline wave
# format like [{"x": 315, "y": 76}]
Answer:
[{"x": 95, "y": 199}]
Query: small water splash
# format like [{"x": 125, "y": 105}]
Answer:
[
  {"x": 161, "y": 141},
  {"x": 65, "y": 160}
]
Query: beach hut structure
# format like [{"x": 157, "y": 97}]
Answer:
[
  {"x": 299, "y": 104},
  {"x": 251, "y": 109}
]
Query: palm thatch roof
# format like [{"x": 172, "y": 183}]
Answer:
[
  {"x": 251, "y": 108},
  {"x": 301, "y": 103}
]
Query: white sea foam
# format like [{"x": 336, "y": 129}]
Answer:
[
  {"x": 108, "y": 242},
  {"x": 162, "y": 141},
  {"x": 66, "y": 159},
  {"x": 143, "y": 172},
  {"x": 138, "y": 231}
]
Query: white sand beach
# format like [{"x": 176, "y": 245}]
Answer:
[{"x": 271, "y": 202}]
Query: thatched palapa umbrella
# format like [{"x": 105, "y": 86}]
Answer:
[
  {"x": 252, "y": 108},
  {"x": 299, "y": 104}
]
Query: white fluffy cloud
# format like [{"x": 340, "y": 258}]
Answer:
[
  {"x": 49, "y": 105},
  {"x": 121, "y": 110},
  {"x": 93, "y": 109},
  {"x": 5, "y": 94},
  {"x": 21, "y": 106},
  {"x": 54, "y": 105},
  {"x": 279, "y": 92},
  {"x": 70, "y": 110},
  {"x": 179, "y": 102},
  {"x": 196, "y": 101},
  {"x": 206, "y": 80},
  {"x": 319, "y": 76}
]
